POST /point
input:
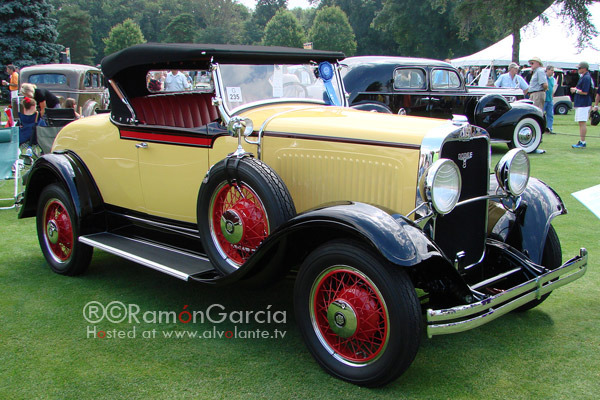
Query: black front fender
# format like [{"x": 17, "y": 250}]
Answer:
[
  {"x": 503, "y": 127},
  {"x": 527, "y": 227},
  {"x": 394, "y": 237},
  {"x": 69, "y": 171}
]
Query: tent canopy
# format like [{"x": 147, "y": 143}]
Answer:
[{"x": 552, "y": 42}]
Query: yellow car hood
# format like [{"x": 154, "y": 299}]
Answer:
[{"x": 342, "y": 122}]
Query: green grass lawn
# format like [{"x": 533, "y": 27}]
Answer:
[{"x": 551, "y": 352}]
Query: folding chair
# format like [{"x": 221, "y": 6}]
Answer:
[{"x": 10, "y": 164}]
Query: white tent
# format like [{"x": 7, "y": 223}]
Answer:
[{"x": 552, "y": 42}]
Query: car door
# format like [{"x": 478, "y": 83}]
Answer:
[
  {"x": 172, "y": 167},
  {"x": 410, "y": 91},
  {"x": 447, "y": 96}
]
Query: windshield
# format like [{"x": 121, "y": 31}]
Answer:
[{"x": 243, "y": 85}]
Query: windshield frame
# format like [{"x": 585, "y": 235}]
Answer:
[{"x": 228, "y": 111}]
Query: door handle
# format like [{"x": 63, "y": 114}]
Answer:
[{"x": 142, "y": 145}]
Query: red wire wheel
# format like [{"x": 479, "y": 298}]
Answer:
[
  {"x": 240, "y": 203},
  {"x": 58, "y": 231},
  {"x": 239, "y": 222},
  {"x": 349, "y": 315}
]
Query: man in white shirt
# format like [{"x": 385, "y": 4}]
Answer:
[
  {"x": 176, "y": 82},
  {"x": 512, "y": 79}
]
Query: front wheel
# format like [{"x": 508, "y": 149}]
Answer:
[
  {"x": 58, "y": 232},
  {"x": 527, "y": 135},
  {"x": 359, "y": 318}
]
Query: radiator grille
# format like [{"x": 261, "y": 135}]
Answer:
[{"x": 464, "y": 229}]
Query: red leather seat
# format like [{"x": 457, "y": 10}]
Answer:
[{"x": 183, "y": 110}]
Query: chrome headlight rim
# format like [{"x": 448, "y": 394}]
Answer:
[
  {"x": 429, "y": 185},
  {"x": 513, "y": 172}
]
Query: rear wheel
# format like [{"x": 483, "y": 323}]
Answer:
[
  {"x": 359, "y": 318},
  {"x": 527, "y": 135},
  {"x": 58, "y": 232},
  {"x": 551, "y": 259},
  {"x": 561, "y": 109}
]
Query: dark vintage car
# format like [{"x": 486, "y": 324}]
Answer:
[
  {"x": 394, "y": 224},
  {"x": 83, "y": 83},
  {"x": 432, "y": 88}
]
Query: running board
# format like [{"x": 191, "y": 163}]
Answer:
[{"x": 172, "y": 262}]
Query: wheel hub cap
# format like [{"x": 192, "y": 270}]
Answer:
[
  {"x": 232, "y": 226},
  {"x": 342, "y": 318},
  {"x": 52, "y": 232},
  {"x": 525, "y": 134}
]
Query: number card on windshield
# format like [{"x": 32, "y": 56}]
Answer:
[{"x": 234, "y": 94}]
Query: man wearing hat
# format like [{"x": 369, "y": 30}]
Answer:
[
  {"x": 512, "y": 79},
  {"x": 538, "y": 83},
  {"x": 582, "y": 101}
]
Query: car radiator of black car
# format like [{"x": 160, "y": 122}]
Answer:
[{"x": 464, "y": 229}]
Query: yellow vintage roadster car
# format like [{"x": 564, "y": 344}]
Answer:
[{"x": 394, "y": 224}]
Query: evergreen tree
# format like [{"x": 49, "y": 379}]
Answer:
[
  {"x": 332, "y": 31},
  {"x": 181, "y": 29},
  {"x": 27, "y": 33},
  {"x": 284, "y": 30},
  {"x": 123, "y": 35},
  {"x": 75, "y": 32}
]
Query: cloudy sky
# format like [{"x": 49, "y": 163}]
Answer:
[{"x": 291, "y": 3}]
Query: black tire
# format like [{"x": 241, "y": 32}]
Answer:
[
  {"x": 386, "y": 305},
  {"x": 561, "y": 109},
  {"x": 527, "y": 135},
  {"x": 58, "y": 232},
  {"x": 239, "y": 205},
  {"x": 551, "y": 259}
]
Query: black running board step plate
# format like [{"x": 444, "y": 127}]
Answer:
[{"x": 170, "y": 261}]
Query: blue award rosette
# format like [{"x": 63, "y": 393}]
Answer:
[{"x": 326, "y": 74}]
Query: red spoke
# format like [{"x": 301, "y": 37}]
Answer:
[{"x": 350, "y": 287}]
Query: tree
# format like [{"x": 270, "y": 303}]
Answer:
[
  {"x": 284, "y": 29},
  {"x": 264, "y": 11},
  {"x": 360, "y": 15},
  {"x": 123, "y": 35},
  {"x": 423, "y": 29},
  {"x": 509, "y": 16},
  {"x": 332, "y": 31},
  {"x": 75, "y": 32},
  {"x": 27, "y": 33},
  {"x": 181, "y": 29},
  {"x": 224, "y": 22}
]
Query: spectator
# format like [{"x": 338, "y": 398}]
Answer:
[
  {"x": 71, "y": 103},
  {"x": 582, "y": 102},
  {"x": 176, "y": 82},
  {"x": 549, "y": 103},
  {"x": 29, "y": 119},
  {"x": 44, "y": 98},
  {"x": 512, "y": 79},
  {"x": 155, "y": 85},
  {"x": 13, "y": 86},
  {"x": 538, "y": 83}
]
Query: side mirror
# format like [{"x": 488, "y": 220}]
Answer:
[{"x": 238, "y": 127}]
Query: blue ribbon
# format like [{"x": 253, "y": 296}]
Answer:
[{"x": 326, "y": 74}]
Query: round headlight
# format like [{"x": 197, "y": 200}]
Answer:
[
  {"x": 512, "y": 172},
  {"x": 441, "y": 185}
]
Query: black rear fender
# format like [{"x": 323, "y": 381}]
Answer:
[{"x": 69, "y": 171}]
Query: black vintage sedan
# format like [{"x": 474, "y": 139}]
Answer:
[{"x": 432, "y": 88}]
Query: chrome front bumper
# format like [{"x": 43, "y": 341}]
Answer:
[{"x": 465, "y": 317}]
